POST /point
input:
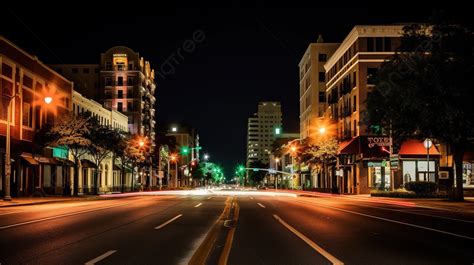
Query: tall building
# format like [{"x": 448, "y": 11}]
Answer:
[
  {"x": 25, "y": 84},
  {"x": 262, "y": 130},
  {"x": 349, "y": 75},
  {"x": 123, "y": 81},
  {"x": 313, "y": 85}
]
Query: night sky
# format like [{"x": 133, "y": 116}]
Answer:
[{"x": 246, "y": 56}]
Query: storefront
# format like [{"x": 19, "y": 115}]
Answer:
[
  {"x": 468, "y": 170},
  {"x": 362, "y": 165},
  {"x": 417, "y": 163}
]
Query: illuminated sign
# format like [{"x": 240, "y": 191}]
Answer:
[
  {"x": 120, "y": 55},
  {"x": 378, "y": 141}
]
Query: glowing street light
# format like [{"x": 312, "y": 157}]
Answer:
[
  {"x": 206, "y": 157},
  {"x": 48, "y": 100},
  {"x": 322, "y": 130}
]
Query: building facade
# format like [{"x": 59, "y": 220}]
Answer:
[
  {"x": 110, "y": 178},
  {"x": 349, "y": 73},
  {"x": 185, "y": 137},
  {"x": 122, "y": 81},
  {"x": 312, "y": 91},
  {"x": 262, "y": 129},
  {"x": 25, "y": 83}
]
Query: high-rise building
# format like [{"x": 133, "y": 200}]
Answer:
[
  {"x": 262, "y": 130},
  {"x": 313, "y": 85},
  {"x": 123, "y": 81}
]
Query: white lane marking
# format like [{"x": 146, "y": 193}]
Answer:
[
  {"x": 261, "y": 205},
  {"x": 418, "y": 213},
  {"x": 169, "y": 221},
  {"x": 101, "y": 257},
  {"x": 197, "y": 205},
  {"x": 251, "y": 198},
  {"x": 12, "y": 212},
  {"x": 308, "y": 241},
  {"x": 60, "y": 216},
  {"x": 399, "y": 222},
  {"x": 209, "y": 198}
]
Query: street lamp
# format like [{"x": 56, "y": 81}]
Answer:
[
  {"x": 428, "y": 143},
  {"x": 206, "y": 157},
  {"x": 174, "y": 158},
  {"x": 322, "y": 130},
  {"x": 276, "y": 173}
]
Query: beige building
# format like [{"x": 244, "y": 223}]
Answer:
[
  {"x": 349, "y": 75},
  {"x": 262, "y": 130},
  {"x": 313, "y": 85},
  {"x": 109, "y": 179}
]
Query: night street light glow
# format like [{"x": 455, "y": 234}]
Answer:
[{"x": 48, "y": 100}]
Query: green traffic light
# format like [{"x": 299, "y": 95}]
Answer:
[{"x": 185, "y": 150}]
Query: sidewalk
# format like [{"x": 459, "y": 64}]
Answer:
[
  {"x": 439, "y": 204},
  {"x": 22, "y": 201}
]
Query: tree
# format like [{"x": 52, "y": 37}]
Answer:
[
  {"x": 257, "y": 176},
  {"x": 319, "y": 153},
  {"x": 72, "y": 132},
  {"x": 103, "y": 140},
  {"x": 425, "y": 90},
  {"x": 132, "y": 154}
]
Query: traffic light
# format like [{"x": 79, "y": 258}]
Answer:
[{"x": 184, "y": 150}]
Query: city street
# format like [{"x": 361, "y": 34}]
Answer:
[{"x": 233, "y": 227}]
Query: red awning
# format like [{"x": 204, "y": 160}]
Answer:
[
  {"x": 367, "y": 146},
  {"x": 416, "y": 148}
]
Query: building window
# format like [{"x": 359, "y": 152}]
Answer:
[
  {"x": 307, "y": 83},
  {"x": 108, "y": 81},
  {"x": 85, "y": 70},
  {"x": 354, "y": 103},
  {"x": 119, "y": 93},
  {"x": 120, "y": 66},
  {"x": 355, "y": 127},
  {"x": 74, "y": 70},
  {"x": 27, "y": 81},
  {"x": 120, "y": 81},
  {"x": 27, "y": 115},
  {"x": 371, "y": 74},
  {"x": 96, "y": 70},
  {"x": 378, "y": 44},
  {"x": 108, "y": 66},
  {"x": 120, "y": 106},
  {"x": 322, "y": 97},
  {"x": 130, "y": 81},
  {"x": 130, "y": 66},
  {"x": 130, "y": 106},
  {"x": 387, "y": 44},
  {"x": 322, "y": 77},
  {"x": 322, "y": 57},
  {"x": 370, "y": 44}
]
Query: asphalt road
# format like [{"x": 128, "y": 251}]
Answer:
[{"x": 233, "y": 229}]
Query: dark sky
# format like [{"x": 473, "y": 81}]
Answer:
[{"x": 247, "y": 55}]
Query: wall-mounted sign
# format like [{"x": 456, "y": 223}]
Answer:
[
  {"x": 378, "y": 141},
  {"x": 120, "y": 55}
]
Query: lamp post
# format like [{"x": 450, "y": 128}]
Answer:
[
  {"x": 276, "y": 173},
  {"x": 7, "y": 196},
  {"x": 428, "y": 143}
]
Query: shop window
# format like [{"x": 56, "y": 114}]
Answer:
[
  {"x": 409, "y": 171},
  {"x": 468, "y": 174}
]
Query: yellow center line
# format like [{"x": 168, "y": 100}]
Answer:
[
  {"x": 230, "y": 237},
  {"x": 204, "y": 249},
  {"x": 311, "y": 243}
]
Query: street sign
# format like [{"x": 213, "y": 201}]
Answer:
[{"x": 394, "y": 161}]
